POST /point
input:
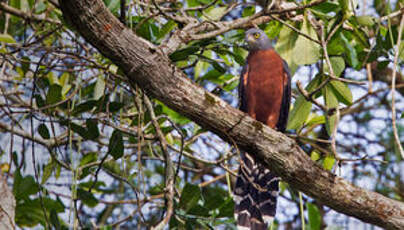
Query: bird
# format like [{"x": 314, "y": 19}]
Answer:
[{"x": 264, "y": 94}]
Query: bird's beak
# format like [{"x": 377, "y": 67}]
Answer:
[{"x": 250, "y": 39}]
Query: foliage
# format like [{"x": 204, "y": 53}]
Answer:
[{"x": 80, "y": 146}]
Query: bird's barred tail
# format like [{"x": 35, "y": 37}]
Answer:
[{"x": 255, "y": 195}]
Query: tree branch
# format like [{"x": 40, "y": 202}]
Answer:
[
  {"x": 25, "y": 15},
  {"x": 144, "y": 65},
  {"x": 193, "y": 29}
]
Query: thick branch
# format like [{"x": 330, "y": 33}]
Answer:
[
  {"x": 193, "y": 29},
  {"x": 27, "y": 16},
  {"x": 153, "y": 72}
]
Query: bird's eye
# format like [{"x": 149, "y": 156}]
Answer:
[{"x": 256, "y": 35}]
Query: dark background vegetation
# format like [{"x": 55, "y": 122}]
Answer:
[{"x": 82, "y": 148}]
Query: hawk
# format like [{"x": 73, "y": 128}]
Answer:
[{"x": 264, "y": 93}]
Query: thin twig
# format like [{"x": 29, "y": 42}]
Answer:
[
  {"x": 29, "y": 17},
  {"x": 393, "y": 89},
  {"x": 294, "y": 29},
  {"x": 337, "y": 115},
  {"x": 392, "y": 15},
  {"x": 370, "y": 77},
  {"x": 169, "y": 177},
  {"x": 302, "y": 7},
  {"x": 307, "y": 96},
  {"x": 349, "y": 81},
  {"x": 122, "y": 16}
]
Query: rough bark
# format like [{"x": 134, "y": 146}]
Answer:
[
  {"x": 7, "y": 206},
  {"x": 147, "y": 67}
]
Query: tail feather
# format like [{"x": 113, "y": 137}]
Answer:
[{"x": 255, "y": 195}]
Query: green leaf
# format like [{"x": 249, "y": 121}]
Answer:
[
  {"x": 24, "y": 186},
  {"x": 97, "y": 186},
  {"x": 193, "y": 3},
  {"x": 331, "y": 101},
  {"x": 87, "y": 198},
  {"x": 205, "y": 1},
  {"x": 112, "y": 5},
  {"x": 114, "y": 106},
  {"x": 92, "y": 129},
  {"x": 346, "y": 7},
  {"x": 383, "y": 30},
  {"x": 148, "y": 28},
  {"x": 51, "y": 204},
  {"x": 352, "y": 57},
  {"x": 52, "y": 78},
  {"x": 183, "y": 54},
  {"x": 40, "y": 102},
  {"x": 99, "y": 88},
  {"x": 300, "y": 112},
  {"x": 214, "y": 13},
  {"x": 58, "y": 170},
  {"x": 381, "y": 65},
  {"x": 338, "y": 65},
  {"x": 40, "y": 7},
  {"x": 315, "y": 120},
  {"x": 211, "y": 75},
  {"x": 115, "y": 147},
  {"x": 241, "y": 53},
  {"x": 113, "y": 167},
  {"x": 79, "y": 129},
  {"x": 365, "y": 20},
  {"x": 199, "y": 210},
  {"x": 360, "y": 37},
  {"x": 315, "y": 156},
  {"x": 213, "y": 62},
  {"x": 84, "y": 107},
  {"x": 237, "y": 57},
  {"x": 25, "y": 64},
  {"x": 15, "y": 4},
  {"x": 47, "y": 171},
  {"x": 199, "y": 68},
  {"x": 29, "y": 213},
  {"x": 326, "y": 7},
  {"x": 43, "y": 131},
  {"x": 314, "y": 216},
  {"x": 341, "y": 91},
  {"x": 401, "y": 51},
  {"x": 329, "y": 162},
  {"x": 64, "y": 82},
  {"x": 6, "y": 38},
  {"x": 88, "y": 158},
  {"x": 232, "y": 85},
  {"x": 104, "y": 105},
  {"x": 306, "y": 51},
  {"x": 54, "y": 94},
  {"x": 302, "y": 107},
  {"x": 55, "y": 220},
  {"x": 190, "y": 196},
  {"x": 168, "y": 27},
  {"x": 174, "y": 116},
  {"x": 336, "y": 45},
  {"x": 248, "y": 11},
  {"x": 272, "y": 29},
  {"x": 214, "y": 197},
  {"x": 227, "y": 209},
  {"x": 284, "y": 46}
]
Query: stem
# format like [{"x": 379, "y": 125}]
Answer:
[{"x": 302, "y": 211}]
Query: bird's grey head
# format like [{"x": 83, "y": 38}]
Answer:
[{"x": 257, "y": 40}]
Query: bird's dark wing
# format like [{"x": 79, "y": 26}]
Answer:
[
  {"x": 284, "y": 111},
  {"x": 241, "y": 89}
]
